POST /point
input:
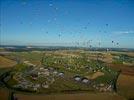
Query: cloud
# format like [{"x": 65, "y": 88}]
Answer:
[{"x": 123, "y": 32}]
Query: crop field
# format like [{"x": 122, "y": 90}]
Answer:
[
  {"x": 125, "y": 86},
  {"x": 5, "y": 62}
]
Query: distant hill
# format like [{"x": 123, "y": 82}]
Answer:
[{"x": 51, "y": 48}]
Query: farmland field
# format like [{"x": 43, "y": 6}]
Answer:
[
  {"x": 53, "y": 75},
  {"x": 5, "y": 62}
]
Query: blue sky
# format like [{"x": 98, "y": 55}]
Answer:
[{"x": 67, "y": 22}]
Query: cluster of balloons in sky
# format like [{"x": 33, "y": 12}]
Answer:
[{"x": 88, "y": 43}]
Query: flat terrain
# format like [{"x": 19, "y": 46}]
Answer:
[
  {"x": 81, "y": 96},
  {"x": 125, "y": 82},
  {"x": 128, "y": 70},
  {"x": 125, "y": 86},
  {"x": 5, "y": 62}
]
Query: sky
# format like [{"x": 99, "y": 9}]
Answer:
[{"x": 87, "y": 23}]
